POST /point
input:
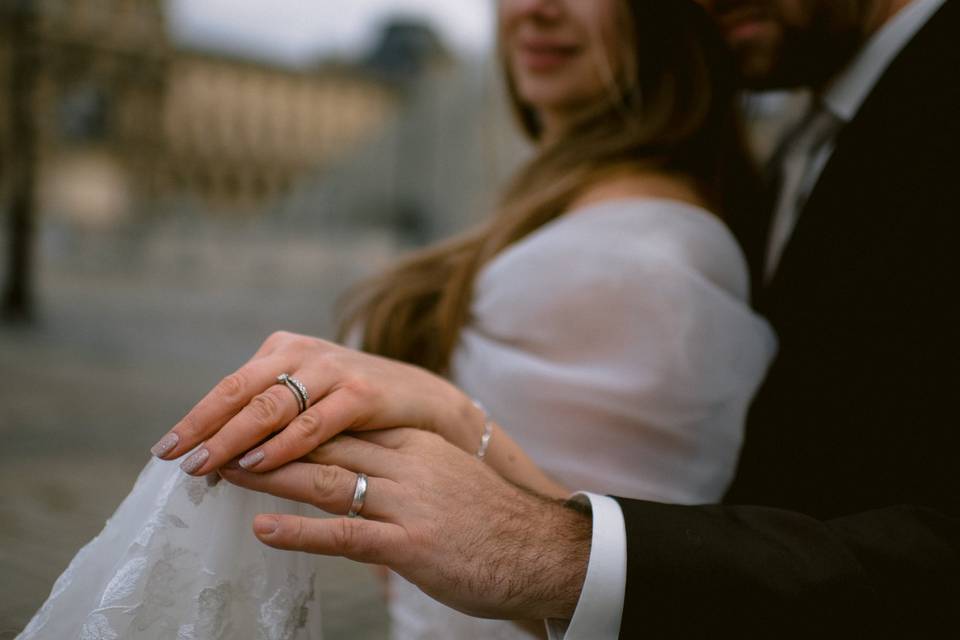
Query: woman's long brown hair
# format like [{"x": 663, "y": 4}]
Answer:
[{"x": 676, "y": 113}]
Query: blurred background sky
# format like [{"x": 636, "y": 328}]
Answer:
[{"x": 297, "y": 32}]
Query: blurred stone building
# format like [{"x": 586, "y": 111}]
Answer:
[
  {"x": 129, "y": 121},
  {"x": 241, "y": 132},
  {"x": 98, "y": 73}
]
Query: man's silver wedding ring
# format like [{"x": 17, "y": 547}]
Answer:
[
  {"x": 359, "y": 494},
  {"x": 297, "y": 388}
]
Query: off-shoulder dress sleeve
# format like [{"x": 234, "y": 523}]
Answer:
[{"x": 617, "y": 345}]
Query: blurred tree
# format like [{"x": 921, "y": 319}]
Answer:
[{"x": 18, "y": 295}]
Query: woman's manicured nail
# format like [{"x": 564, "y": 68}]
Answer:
[
  {"x": 195, "y": 461},
  {"x": 165, "y": 445},
  {"x": 265, "y": 525},
  {"x": 251, "y": 460}
]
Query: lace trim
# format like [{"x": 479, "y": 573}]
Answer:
[{"x": 174, "y": 580}]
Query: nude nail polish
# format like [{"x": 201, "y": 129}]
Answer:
[
  {"x": 195, "y": 461},
  {"x": 165, "y": 445},
  {"x": 266, "y": 525},
  {"x": 251, "y": 460}
]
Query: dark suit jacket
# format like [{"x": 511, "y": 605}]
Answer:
[{"x": 859, "y": 412}]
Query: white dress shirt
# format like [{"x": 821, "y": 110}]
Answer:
[
  {"x": 600, "y": 606},
  {"x": 603, "y": 591}
]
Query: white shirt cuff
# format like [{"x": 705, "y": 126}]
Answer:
[{"x": 600, "y": 607}]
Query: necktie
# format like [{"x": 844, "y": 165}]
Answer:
[{"x": 801, "y": 160}]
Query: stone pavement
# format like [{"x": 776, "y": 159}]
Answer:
[{"x": 118, "y": 356}]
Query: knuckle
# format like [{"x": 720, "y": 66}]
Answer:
[
  {"x": 306, "y": 426},
  {"x": 278, "y": 336},
  {"x": 300, "y": 537},
  {"x": 301, "y": 341},
  {"x": 344, "y": 535},
  {"x": 190, "y": 427},
  {"x": 286, "y": 340},
  {"x": 360, "y": 387},
  {"x": 232, "y": 386},
  {"x": 418, "y": 439},
  {"x": 326, "y": 359},
  {"x": 324, "y": 480},
  {"x": 264, "y": 408}
]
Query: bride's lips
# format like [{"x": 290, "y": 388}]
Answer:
[
  {"x": 745, "y": 24},
  {"x": 747, "y": 30},
  {"x": 543, "y": 55}
]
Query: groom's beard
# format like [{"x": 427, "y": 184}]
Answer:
[
  {"x": 812, "y": 42},
  {"x": 810, "y": 56}
]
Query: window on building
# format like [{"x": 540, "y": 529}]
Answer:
[{"x": 84, "y": 114}]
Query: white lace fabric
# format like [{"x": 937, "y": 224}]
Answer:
[{"x": 178, "y": 561}]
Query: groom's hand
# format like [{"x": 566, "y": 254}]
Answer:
[{"x": 436, "y": 516}]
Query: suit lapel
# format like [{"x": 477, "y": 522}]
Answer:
[{"x": 900, "y": 97}]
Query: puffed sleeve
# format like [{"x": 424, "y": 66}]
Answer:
[{"x": 617, "y": 346}]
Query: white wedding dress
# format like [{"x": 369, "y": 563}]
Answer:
[
  {"x": 617, "y": 346},
  {"x": 178, "y": 561}
]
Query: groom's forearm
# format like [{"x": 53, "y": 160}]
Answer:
[
  {"x": 567, "y": 565},
  {"x": 536, "y": 556}
]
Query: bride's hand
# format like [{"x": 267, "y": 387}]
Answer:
[{"x": 348, "y": 390}]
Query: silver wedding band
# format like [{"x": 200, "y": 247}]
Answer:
[
  {"x": 297, "y": 388},
  {"x": 359, "y": 495}
]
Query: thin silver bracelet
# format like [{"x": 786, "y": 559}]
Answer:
[{"x": 487, "y": 431}]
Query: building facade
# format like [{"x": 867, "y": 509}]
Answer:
[{"x": 129, "y": 123}]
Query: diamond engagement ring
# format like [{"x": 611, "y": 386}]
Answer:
[
  {"x": 359, "y": 494},
  {"x": 297, "y": 388}
]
